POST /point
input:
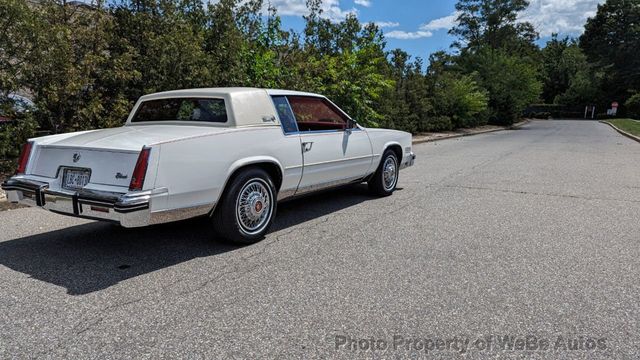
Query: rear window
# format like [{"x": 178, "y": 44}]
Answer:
[{"x": 182, "y": 109}]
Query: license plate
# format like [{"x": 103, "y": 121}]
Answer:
[{"x": 75, "y": 179}]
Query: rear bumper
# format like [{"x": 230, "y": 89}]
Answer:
[
  {"x": 409, "y": 160},
  {"x": 127, "y": 209}
]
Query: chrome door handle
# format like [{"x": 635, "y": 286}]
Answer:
[{"x": 306, "y": 146}]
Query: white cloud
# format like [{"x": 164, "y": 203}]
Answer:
[
  {"x": 404, "y": 35},
  {"x": 565, "y": 17},
  {"x": 425, "y": 30},
  {"x": 331, "y": 8},
  {"x": 365, "y": 3},
  {"x": 387, "y": 24},
  {"x": 560, "y": 16},
  {"x": 548, "y": 16},
  {"x": 446, "y": 23}
]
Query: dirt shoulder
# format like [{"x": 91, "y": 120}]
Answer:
[
  {"x": 429, "y": 137},
  {"x": 4, "y": 204}
]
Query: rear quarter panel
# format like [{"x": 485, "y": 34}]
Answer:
[{"x": 195, "y": 171}]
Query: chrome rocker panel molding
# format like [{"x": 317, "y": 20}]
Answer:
[{"x": 127, "y": 209}]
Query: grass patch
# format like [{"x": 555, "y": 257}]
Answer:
[{"x": 628, "y": 125}]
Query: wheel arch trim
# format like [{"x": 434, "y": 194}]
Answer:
[
  {"x": 393, "y": 145},
  {"x": 240, "y": 164}
]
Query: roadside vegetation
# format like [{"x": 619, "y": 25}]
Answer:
[
  {"x": 628, "y": 125},
  {"x": 85, "y": 65}
]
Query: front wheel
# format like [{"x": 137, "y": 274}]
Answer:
[
  {"x": 385, "y": 180},
  {"x": 247, "y": 208}
]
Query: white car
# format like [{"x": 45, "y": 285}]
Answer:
[{"x": 229, "y": 153}]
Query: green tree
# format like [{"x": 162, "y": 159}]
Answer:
[
  {"x": 511, "y": 82},
  {"x": 406, "y": 105},
  {"x": 562, "y": 59},
  {"x": 165, "y": 41},
  {"x": 494, "y": 24},
  {"x": 18, "y": 41},
  {"x": 500, "y": 53},
  {"x": 611, "y": 40},
  {"x": 584, "y": 89},
  {"x": 71, "y": 75}
]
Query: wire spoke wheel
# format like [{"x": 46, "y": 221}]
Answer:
[
  {"x": 254, "y": 206},
  {"x": 389, "y": 173}
]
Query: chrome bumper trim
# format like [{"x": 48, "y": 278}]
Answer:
[
  {"x": 32, "y": 192},
  {"x": 408, "y": 161},
  {"x": 126, "y": 209},
  {"x": 130, "y": 210}
]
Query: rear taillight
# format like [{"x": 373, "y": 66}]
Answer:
[
  {"x": 140, "y": 171},
  {"x": 23, "y": 160}
]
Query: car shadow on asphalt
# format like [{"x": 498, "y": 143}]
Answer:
[{"x": 94, "y": 256}]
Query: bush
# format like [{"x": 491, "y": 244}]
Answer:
[
  {"x": 633, "y": 106},
  {"x": 12, "y": 137},
  {"x": 461, "y": 99},
  {"x": 569, "y": 115},
  {"x": 439, "y": 123},
  {"x": 555, "y": 111}
]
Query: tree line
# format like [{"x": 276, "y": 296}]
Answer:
[{"x": 85, "y": 65}]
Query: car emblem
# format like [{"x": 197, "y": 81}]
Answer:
[
  {"x": 121, "y": 176},
  {"x": 76, "y": 157}
]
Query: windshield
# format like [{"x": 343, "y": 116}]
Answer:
[{"x": 182, "y": 109}]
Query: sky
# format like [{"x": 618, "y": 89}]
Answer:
[{"x": 420, "y": 26}]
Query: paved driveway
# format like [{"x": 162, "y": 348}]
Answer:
[{"x": 532, "y": 232}]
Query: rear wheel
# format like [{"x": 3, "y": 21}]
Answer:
[
  {"x": 385, "y": 180},
  {"x": 247, "y": 208}
]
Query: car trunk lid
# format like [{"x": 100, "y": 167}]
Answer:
[
  {"x": 131, "y": 138},
  {"x": 103, "y": 166}
]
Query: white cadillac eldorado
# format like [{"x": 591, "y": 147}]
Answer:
[{"x": 229, "y": 153}]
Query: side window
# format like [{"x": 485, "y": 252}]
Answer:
[
  {"x": 316, "y": 114},
  {"x": 287, "y": 119}
]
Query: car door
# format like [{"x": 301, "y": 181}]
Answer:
[{"x": 335, "y": 150}]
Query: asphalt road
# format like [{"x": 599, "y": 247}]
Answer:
[{"x": 530, "y": 232}]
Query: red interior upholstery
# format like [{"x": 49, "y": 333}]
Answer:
[{"x": 319, "y": 125}]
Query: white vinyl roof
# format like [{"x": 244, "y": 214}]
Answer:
[{"x": 245, "y": 106}]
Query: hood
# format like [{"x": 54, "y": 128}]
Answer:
[{"x": 387, "y": 131}]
